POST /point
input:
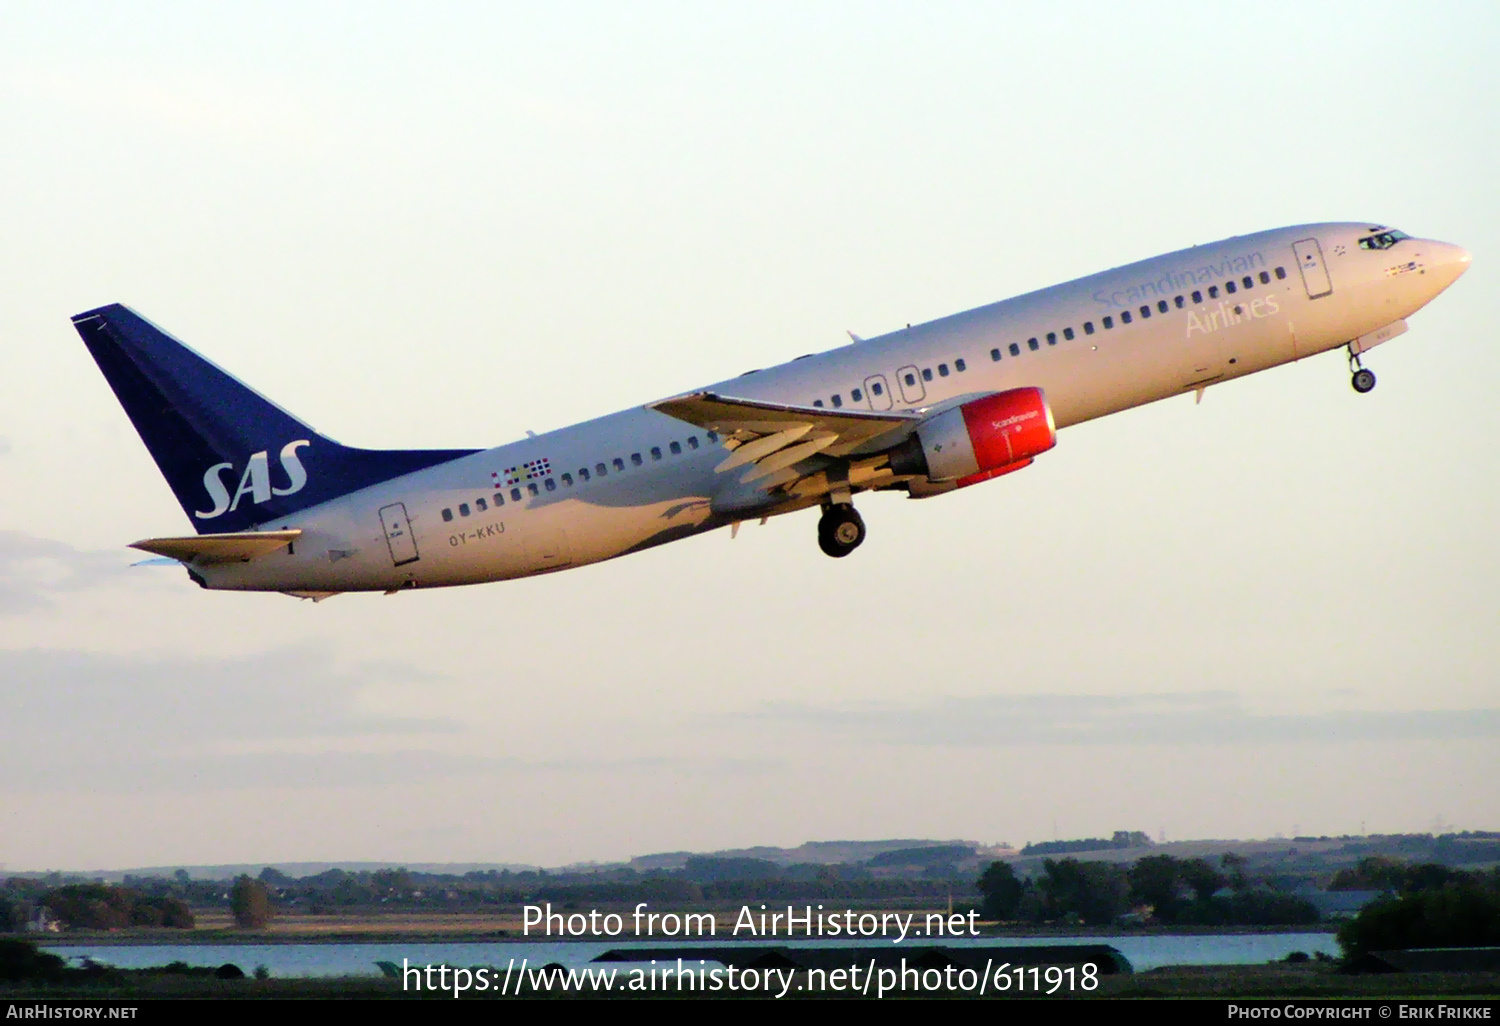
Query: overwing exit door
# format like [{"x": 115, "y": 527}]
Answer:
[{"x": 910, "y": 381}]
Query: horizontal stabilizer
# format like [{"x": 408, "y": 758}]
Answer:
[{"x": 219, "y": 548}]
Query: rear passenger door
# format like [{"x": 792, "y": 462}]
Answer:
[{"x": 398, "y": 536}]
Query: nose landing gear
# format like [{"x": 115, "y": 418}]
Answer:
[
  {"x": 841, "y": 530},
  {"x": 1361, "y": 378}
]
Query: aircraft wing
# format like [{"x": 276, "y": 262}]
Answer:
[
  {"x": 770, "y": 438},
  {"x": 240, "y": 547}
]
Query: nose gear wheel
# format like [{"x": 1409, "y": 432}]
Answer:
[{"x": 1361, "y": 378}]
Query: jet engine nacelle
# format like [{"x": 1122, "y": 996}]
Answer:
[{"x": 979, "y": 440}]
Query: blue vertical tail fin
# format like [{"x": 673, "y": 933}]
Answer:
[{"x": 233, "y": 458}]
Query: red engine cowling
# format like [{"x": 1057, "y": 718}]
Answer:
[{"x": 979, "y": 440}]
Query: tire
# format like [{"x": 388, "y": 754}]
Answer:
[
  {"x": 841, "y": 531},
  {"x": 1363, "y": 380}
]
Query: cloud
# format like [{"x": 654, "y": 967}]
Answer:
[
  {"x": 1206, "y": 717},
  {"x": 288, "y": 693},
  {"x": 33, "y": 570},
  {"x": 75, "y": 716},
  {"x": 286, "y": 718},
  {"x": 166, "y": 772}
]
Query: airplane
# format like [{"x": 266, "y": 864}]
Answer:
[{"x": 926, "y": 409}]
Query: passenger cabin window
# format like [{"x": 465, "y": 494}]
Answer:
[
  {"x": 656, "y": 452},
  {"x": 1265, "y": 277},
  {"x": 583, "y": 473},
  {"x": 515, "y": 495},
  {"x": 838, "y": 401},
  {"x": 635, "y": 459},
  {"x": 1088, "y": 327},
  {"x": 1015, "y": 349},
  {"x": 499, "y": 498},
  {"x": 958, "y": 365},
  {"x": 447, "y": 515},
  {"x": 1052, "y": 338},
  {"x": 926, "y": 373},
  {"x": 1179, "y": 301},
  {"x": 601, "y": 469},
  {"x": 463, "y": 509},
  {"x": 856, "y": 395},
  {"x": 911, "y": 379},
  {"x": 533, "y": 489},
  {"x": 1248, "y": 282},
  {"x": 1146, "y": 310},
  {"x": 1228, "y": 287},
  {"x": 995, "y": 355},
  {"x": 877, "y": 388},
  {"x": 1109, "y": 322},
  {"x": 1280, "y": 273},
  {"x": 1032, "y": 344},
  {"x": 551, "y": 485},
  {"x": 567, "y": 479},
  {"x": 943, "y": 369},
  {"x": 692, "y": 441},
  {"x": 481, "y": 505},
  {"x": 1068, "y": 334},
  {"x": 1161, "y": 305},
  {"x": 713, "y": 438},
  {"x": 817, "y": 402},
  {"x": 676, "y": 448},
  {"x": 619, "y": 464},
  {"x": 1197, "y": 296},
  {"x": 1124, "y": 316}
]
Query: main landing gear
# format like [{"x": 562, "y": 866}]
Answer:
[
  {"x": 841, "y": 530},
  {"x": 1362, "y": 379}
]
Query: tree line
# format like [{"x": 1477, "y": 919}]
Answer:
[
  {"x": 1157, "y": 888},
  {"x": 1427, "y": 906},
  {"x": 100, "y": 906}
]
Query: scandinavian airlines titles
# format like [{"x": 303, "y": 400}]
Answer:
[
  {"x": 255, "y": 481},
  {"x": 1170, "y": 284}
]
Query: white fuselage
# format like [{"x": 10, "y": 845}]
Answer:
[{"x": 659, "y": 482}]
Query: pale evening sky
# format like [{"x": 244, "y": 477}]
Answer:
[{"x": 437, "y": 225}]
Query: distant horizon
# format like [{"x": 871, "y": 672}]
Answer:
[{"x": 312, "y": 867}]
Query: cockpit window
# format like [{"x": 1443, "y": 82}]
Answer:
[{"x": 1385, "y": 240}]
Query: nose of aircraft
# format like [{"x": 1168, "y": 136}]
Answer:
[
  {"x": 1447, "y": 262},
  {"x": 1455, "y": 258}
]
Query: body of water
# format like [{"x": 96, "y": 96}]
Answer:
[{"x": 335, "y": 959}]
